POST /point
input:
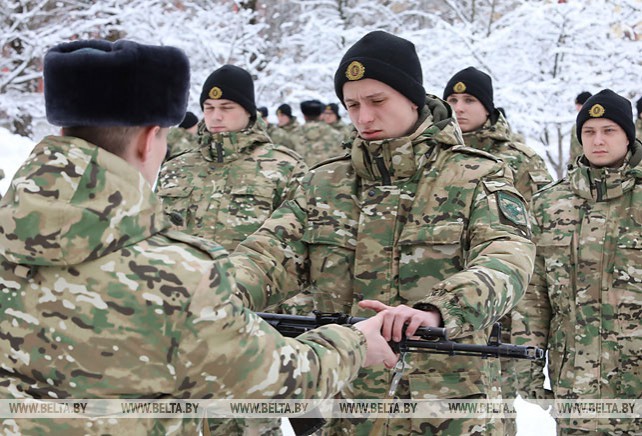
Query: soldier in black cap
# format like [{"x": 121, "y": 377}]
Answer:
[
  {"x": 288, "y": 132},
  {"x": 226, "y": 187},
  {"x": 410, "y": 217},
  {"x": 576, "y": 146},
  {"x": 584, "y": 304},
  {"x": 318, "y": 141},
  {"x": 332, "y": 117},
  {"x": 182, "y": 138},
  {"x": 484, "y": 127}
]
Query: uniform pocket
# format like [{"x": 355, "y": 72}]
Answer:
[
  {"x": 427, "y": 255},
  {"x": 331, "y": 256},
  {"x": 247, "y": 208},
  {"x": 178, "y": 204}
]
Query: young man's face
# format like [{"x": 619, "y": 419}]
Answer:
[
  {"x": 470, "y": 113},
  {"x": 224, "y": 116},
  {"x": 282, "y": 119},
  {"x": 329, "y": 116},
  {"x": 604, "y": 142},
  {"x": 378, "y": 111}
]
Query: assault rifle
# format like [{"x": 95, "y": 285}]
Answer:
[{"x": 432, "y": 339}]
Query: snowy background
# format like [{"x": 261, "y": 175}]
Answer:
[{"x": 540, "y": 54}]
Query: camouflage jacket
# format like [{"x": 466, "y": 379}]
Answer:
[
  {"x": 288, "y": 135},
  {"x": 442, "y": 225},
  {"x": 100, "y": 300},
  {"x": 345, "y": 129},
  {"x": 530, "y": 173},
  {"x": 638, "y": 128},
  {"x": 224, "y": 190},
  {"x": 584, "y": 302},
  {"x": 319, "y": 142},
  {"x": 180, "y": 141}
]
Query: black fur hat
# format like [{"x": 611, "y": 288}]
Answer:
[
  {"x": 607, "y": 104},
  {"x": 312, "y": 108},
  {"x": 230, "y": 83},
  {"x": 122, "y": 83},
  {"x": 474, "y": 82},
  {"x": 387, "y": 58}
]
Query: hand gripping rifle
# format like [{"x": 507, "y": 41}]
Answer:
[{"x": 432, "y": 340}]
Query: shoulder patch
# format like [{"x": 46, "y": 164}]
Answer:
[
  {"x": 210, "y": 248},
  {"x": 523, "y": 148},
  {"x": 470, "y": 150},
  {"x": 512, "y": 208},
  {"x": 288, "y": 151}
]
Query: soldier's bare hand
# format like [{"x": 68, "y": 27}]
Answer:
[
  {"x": 378, "y": 350},
  {"x": 396, "y": 318}
]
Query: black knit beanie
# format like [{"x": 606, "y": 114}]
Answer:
[
  {"x": 190, "y": 120},
  {"x": 607, "y": 104},
  {"x": 230, "y": 83},
  {"x": 263, "y": 110},
  {"x": 284, "y": 109},
  {"x": 474, "y": 82},
  {"x": 334, "y": 108},
  {"x": 386, "y": 58},
  {"x": 122, "y": 83},
  {"x": 582, "y": 97}
]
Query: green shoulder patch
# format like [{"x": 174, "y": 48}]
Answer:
[{"x": 512, "y": 208}]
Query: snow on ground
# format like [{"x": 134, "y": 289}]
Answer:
[{"x": 531, "y": 419}]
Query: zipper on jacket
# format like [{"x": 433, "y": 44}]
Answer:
[
  {"x": 385, "y": 175},
  {"x": 219, "y": 152},
  {"x": 600, "y": 188}
]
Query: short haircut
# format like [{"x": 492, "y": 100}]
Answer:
[{"x": 112, "y": 139}]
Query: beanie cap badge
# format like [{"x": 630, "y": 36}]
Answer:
[
  {"x": 596, "y": 111},
  {"x": 459, "y": 88},
  {"x": 215, "y": 93},
  {"x": 355, "y": 70}
]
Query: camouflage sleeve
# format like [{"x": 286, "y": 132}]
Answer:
[
  {"x": 532, "y": 178},
  {"x": 270, "y": 265},
  {"x": 499, "y": 260},
  {"x": 227, "y": 351},
  {"x": 299, "y": 170},
  {"x": 530, "y": 325}
]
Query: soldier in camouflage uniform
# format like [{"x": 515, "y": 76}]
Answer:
[
  {"x": 288, "y": 132},
  {"x": 638, "y": 120},
  {"x": 318, "y": 141},
  {"x": 470, "y": 93},
  {"x": 584, "y": 303},
  {"x": 331, "y": 117},
  {"x": 576, "y": 146},
  {"x": 226, "y": 188},
  {"x": 411, "y": 218},
  {"x": 182, "y": 138},
  {"x": 269, "y": 127},
  {"x": 99, "y": 299}
]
